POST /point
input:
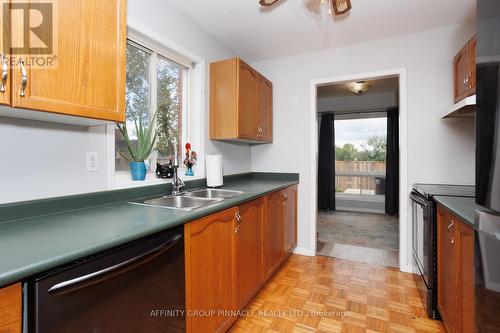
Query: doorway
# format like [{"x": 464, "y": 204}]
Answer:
[{"x": 358, "y": 170}]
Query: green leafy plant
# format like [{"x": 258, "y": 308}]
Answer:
[{"x": 139, "y": 150}]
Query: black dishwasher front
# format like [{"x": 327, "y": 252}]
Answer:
[{"x": 138, "y": 287}]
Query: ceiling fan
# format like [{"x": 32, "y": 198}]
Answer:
[{"x": 339, "y": 6}]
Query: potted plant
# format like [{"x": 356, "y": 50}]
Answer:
[{"x": 139, "y": 150}]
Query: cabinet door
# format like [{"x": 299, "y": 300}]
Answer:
[
  {"x": 89, "y": 79},
  {"x": 210, "y": 271},
  {"x": 265, "y": 100},
  {"x": 273, "y": 232},
  {"x": 461, "y": 72},
  {"x": 448, "y": 271},
  {"x": 249, "y": 249},
  {"x": 224, "y": 99},
  {"x": 11, "y": 309},
  {"x": 472, "y": 66},
  {"x": 5, "y": 72},
  {"x": 248, "y": 115},
  {"x": 467, "y": 290},
  {"x": 290, "y": 219}
]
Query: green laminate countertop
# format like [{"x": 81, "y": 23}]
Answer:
[
  {"x": 464, "y": 208},
  {"x": 31, "y": 245}
]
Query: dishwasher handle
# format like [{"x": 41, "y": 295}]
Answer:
[
  {"x": 109, "y": 272},
  {"x": 418, "y": 199}
]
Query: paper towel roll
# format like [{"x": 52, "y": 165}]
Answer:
[{"x": 214, "y": 170}]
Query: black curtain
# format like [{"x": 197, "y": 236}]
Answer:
[
  {"x": 326, "y": 163},
  {"x": 392, "y": 163}
]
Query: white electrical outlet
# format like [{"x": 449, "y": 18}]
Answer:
[{"x": 92, "y": 161}]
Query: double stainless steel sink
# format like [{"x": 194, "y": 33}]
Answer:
[{"x": 190, "y": 200}]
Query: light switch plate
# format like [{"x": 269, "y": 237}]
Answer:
[{"x": 92, "y": 161}]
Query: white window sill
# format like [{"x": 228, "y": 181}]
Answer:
[{"x": 123, "y": 179}]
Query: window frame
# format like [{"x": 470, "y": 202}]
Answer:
[{"x": 194, "y": 78}]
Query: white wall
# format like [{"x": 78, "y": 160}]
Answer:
[
  {"x": 438, "y": 150},
  {"x": 44, "y": 160}
]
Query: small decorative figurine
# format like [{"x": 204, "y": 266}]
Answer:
[
  {"x": 164, "y": 170},
  {"x": 190, "y": 159}
]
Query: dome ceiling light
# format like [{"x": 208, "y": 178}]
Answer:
[{"x": 358, "y": 87}]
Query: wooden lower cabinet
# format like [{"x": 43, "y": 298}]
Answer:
[
  {"x": 290, "y": 219},
  {"x": 249, "y": 250},
  {"x": 273, "y": 233},
  {"x": 230, "y": 255},
  {"x": 210, "y": 272},
  {"x": 455, "y": 272},
  {"x": 11, "y": 309}
]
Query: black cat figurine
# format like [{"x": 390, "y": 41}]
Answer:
[{"x": 164, "y": 171}]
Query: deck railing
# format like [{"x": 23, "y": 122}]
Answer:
[{"x": 360, "y": 177}]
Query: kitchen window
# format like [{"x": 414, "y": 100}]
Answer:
[{"x": 155, "y": 82}]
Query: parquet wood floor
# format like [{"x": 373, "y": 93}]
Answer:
[{"x": 322, "y": 294}]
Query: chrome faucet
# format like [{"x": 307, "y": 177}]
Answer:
[{"x": 177, "y": 183}]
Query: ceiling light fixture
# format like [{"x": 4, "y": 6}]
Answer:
[
  {"x": 267, "y": 3},
  {"x": 339, "y": 7},
  {"x": 358, "y": 87}
]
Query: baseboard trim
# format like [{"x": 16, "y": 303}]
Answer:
[
  {"x": 304, "y": 251},
  {"x": 407, "y": 268}
]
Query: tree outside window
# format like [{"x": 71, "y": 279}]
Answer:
[{"x": 147, "y": 69}]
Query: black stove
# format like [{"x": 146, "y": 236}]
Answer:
[
  {"x": 424, "y": 245},
  {"x": 430, "y": 190}
]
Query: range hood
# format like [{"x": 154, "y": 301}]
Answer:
[{"x": 462, "y": 109}]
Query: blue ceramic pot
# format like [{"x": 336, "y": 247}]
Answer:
[
  {"x": 189, "y": 171},
  {"x": 138, "y": 170}
]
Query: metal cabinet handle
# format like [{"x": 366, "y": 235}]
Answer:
[
  {"x": 24, "y": 78},
  {"x": 452, "y": 239},
  {"x": 285, "y": 199},
  {"x": 5, "y": 73},
  {"x": 238, "y": 220},
  {"x": 259, "y": 130}
]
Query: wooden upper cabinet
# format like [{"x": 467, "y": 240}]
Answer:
[
  {"x": 455, "y": 272},
  {"x": 249, "y": 250},
  {"x": 265, "y": 105},
  {"x": 11, "y": 309},
  {"x": 248, "y": 113},
  {"x": 464, "y": 68},
  {"x": 290, "y": 219},
  {"x": 89, "y": 78},
  {"x": 5, "y": 72},
  {"x": 211, "y": 271},
  {"x": 241, "y": 103},
  {"x": 273, "y": 233}
]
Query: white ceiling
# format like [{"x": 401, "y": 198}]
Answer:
[{"x": 301, "y": 26}]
